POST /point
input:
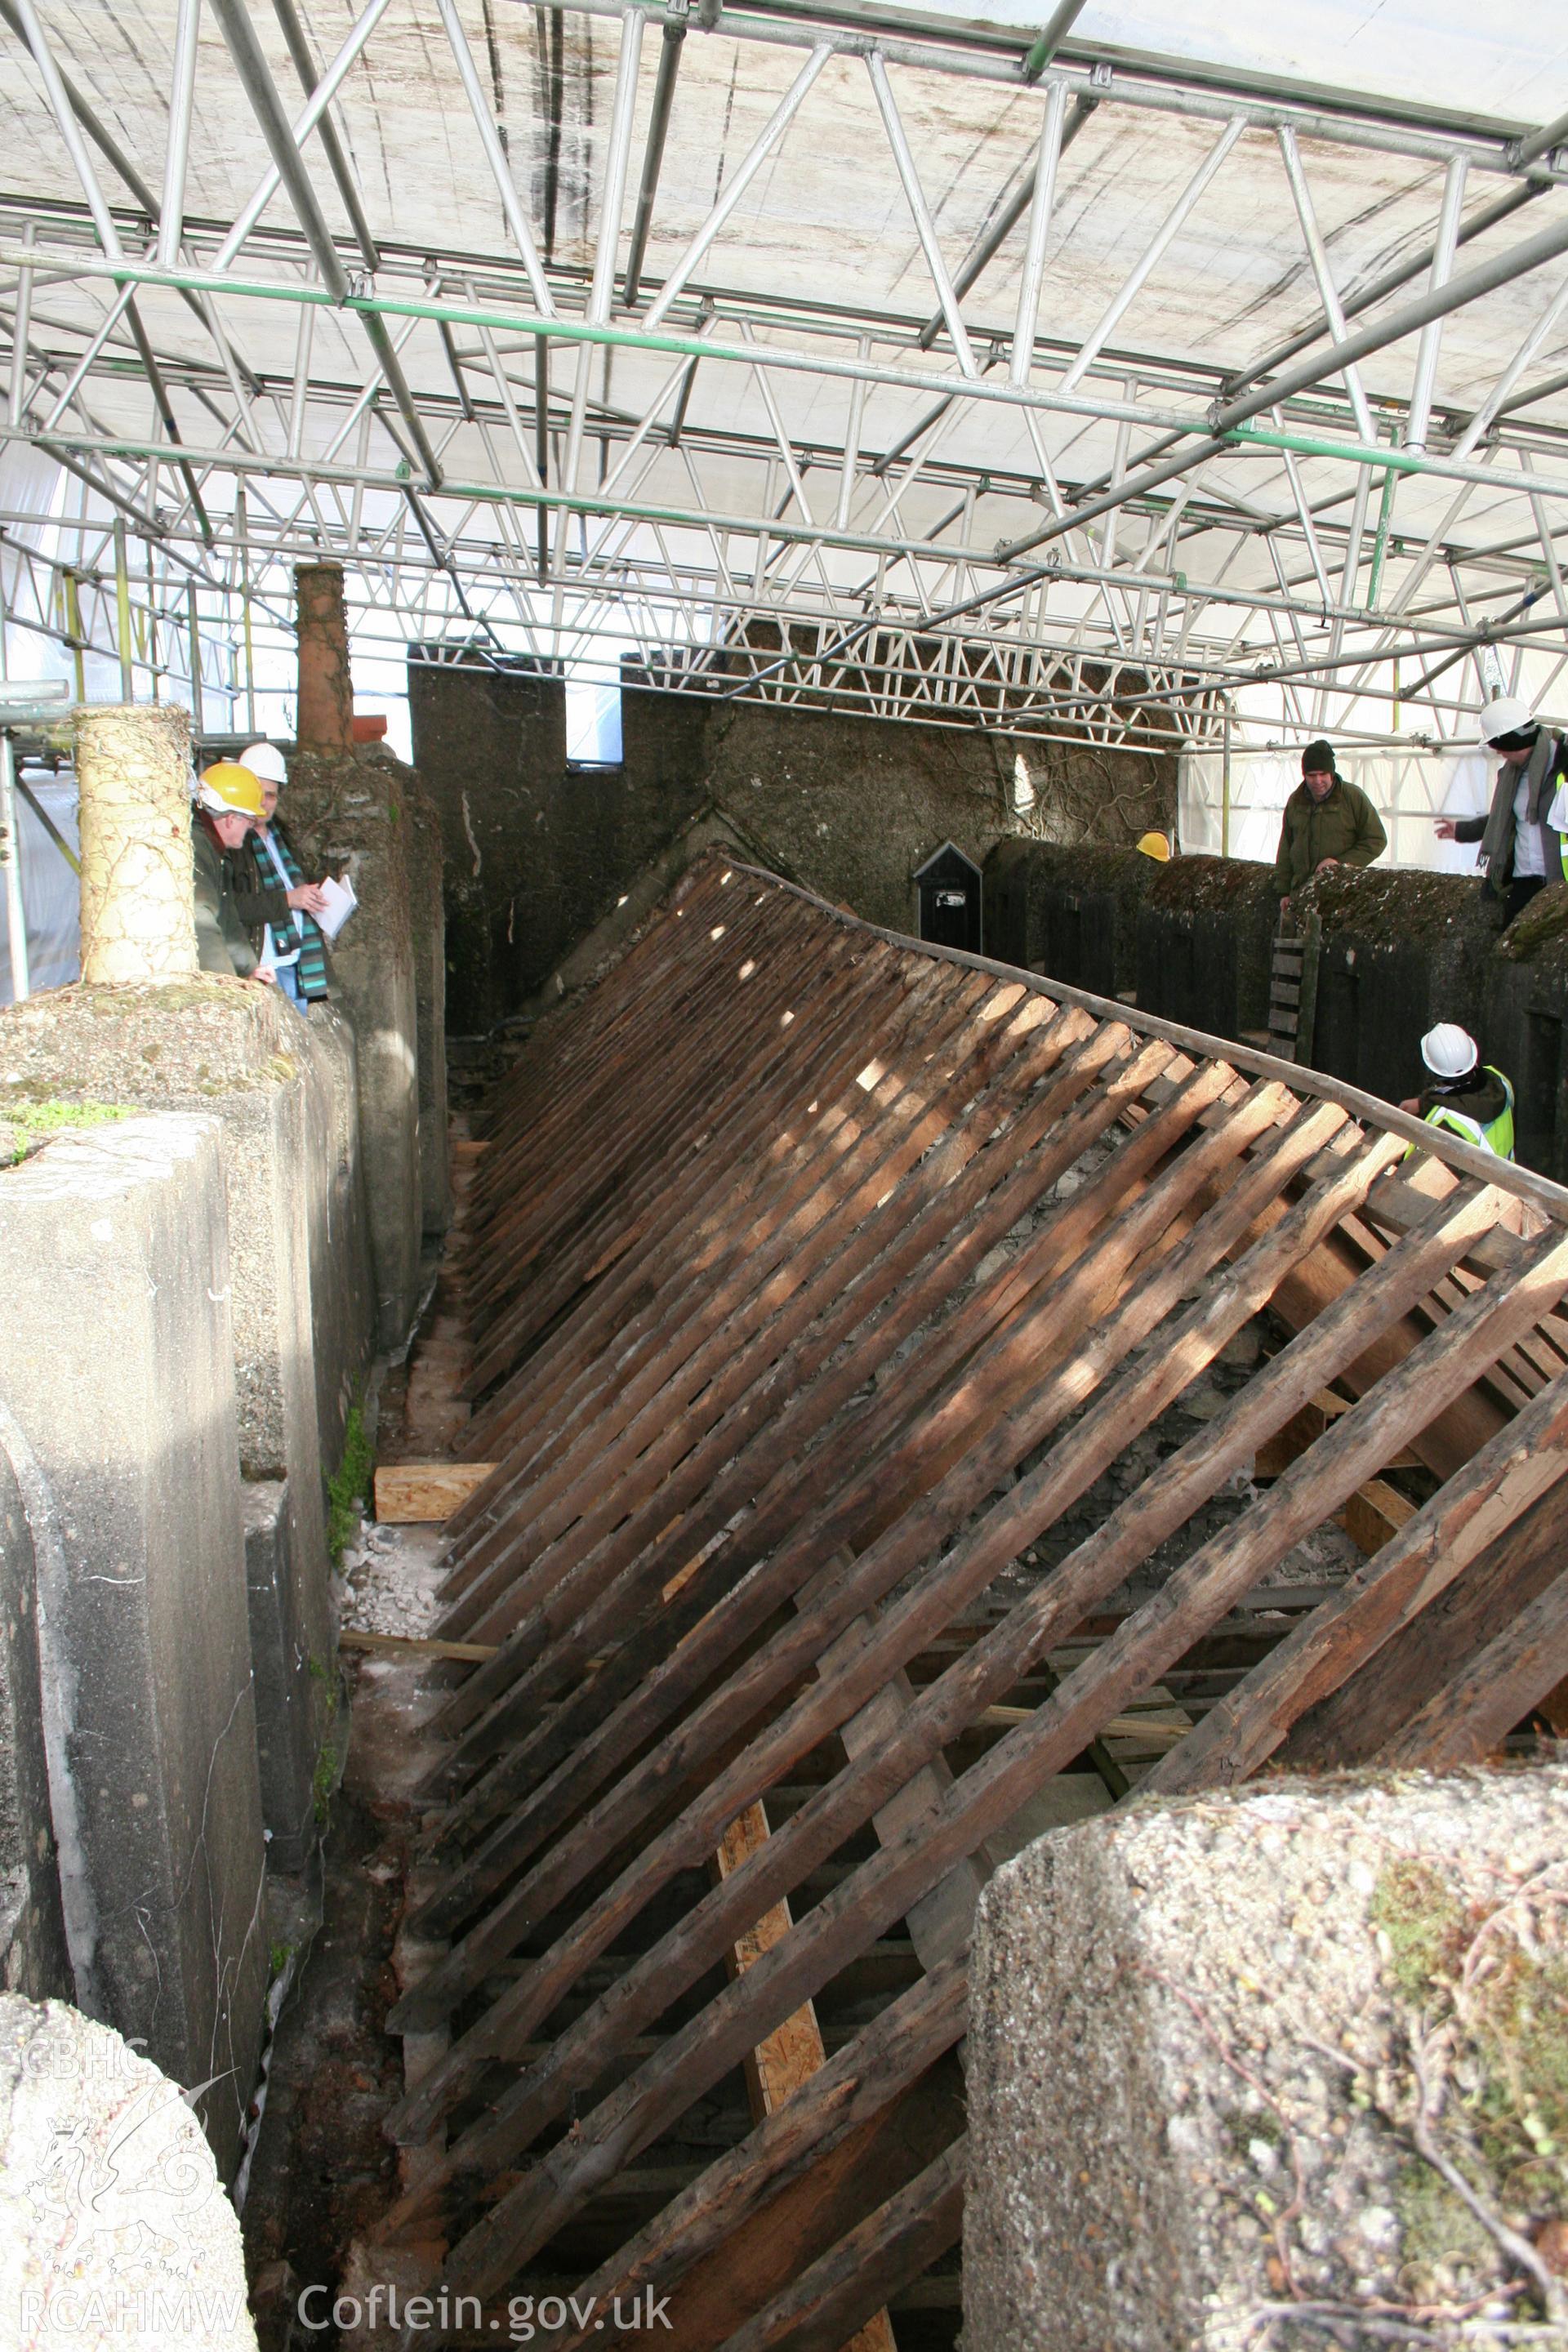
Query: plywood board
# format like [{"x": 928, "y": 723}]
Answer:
[{"x": 411, "y": 1493}]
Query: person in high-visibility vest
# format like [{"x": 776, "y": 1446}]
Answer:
[{"x": 1465, "y": 1094}]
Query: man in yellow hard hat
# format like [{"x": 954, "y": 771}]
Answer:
[
  {"x": 229, "y": 804},
  {"x": 1156, "y": 846}
]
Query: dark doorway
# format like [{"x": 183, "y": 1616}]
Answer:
[{"x": 949, "y": 888}]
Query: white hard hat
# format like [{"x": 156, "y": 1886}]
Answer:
[
  {"x": 265, "y": 761},
  {"x": 1448, "y": 1051},
  {"x": 1505, "y": 714}
]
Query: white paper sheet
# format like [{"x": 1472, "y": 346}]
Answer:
[{"x": 341, "y": 904}]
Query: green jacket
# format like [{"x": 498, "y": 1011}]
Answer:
[
  {"x": 222, "y": 944},
  {"x": 1343, "y": 826}
]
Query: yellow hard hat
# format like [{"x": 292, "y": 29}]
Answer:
[
  {"x": 228, "y": 789},
  {"x": 1154, "y": 845}
]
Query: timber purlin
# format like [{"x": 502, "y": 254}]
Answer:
[{"x": 817, "y": 1275}]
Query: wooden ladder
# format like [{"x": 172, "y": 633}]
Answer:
[{"x": 1291, "y": 992}]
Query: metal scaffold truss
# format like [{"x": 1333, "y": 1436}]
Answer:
[{"x": 853, "y": 359}]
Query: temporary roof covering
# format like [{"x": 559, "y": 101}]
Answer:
[
  {"x": 815, "y": 1280},
  {"x": 596, "y": 329}
]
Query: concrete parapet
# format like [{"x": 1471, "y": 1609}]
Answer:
[
  {"x": 355, "y": 815},
  {"x": 1397, "y": 952},
  {"x": 115, "y": 1285},
  {"x": 1292, "y": 2049},
  {"x": 1206, "y": 933},
  {"x": 114, "y": 2228},
  {"x": 1068, "y": 914},
  {"x": 33, "y": 1956},
  {"x": 240, "y": 1053}
]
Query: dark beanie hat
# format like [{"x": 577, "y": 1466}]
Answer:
[{"x": 1317, "y": 759}]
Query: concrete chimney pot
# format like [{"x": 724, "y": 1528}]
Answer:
[
  {"x": 138, "y": 892},
  {"x": 324, "y": 720}
]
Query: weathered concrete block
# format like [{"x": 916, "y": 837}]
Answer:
[
  {"x": 114, "y": 1328},
  {"x": 241, "y": 1054},
  {"x": 353, "y": 816},
  {"x": 1195, "y": 2032},
  {"x": 33, "y": 1956},
  {"x": 114, "y": 2228}
]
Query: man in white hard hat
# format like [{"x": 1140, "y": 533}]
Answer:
[
  {"x": 1522, "y": 838},
  {"x": 1466, "y": 1096}
]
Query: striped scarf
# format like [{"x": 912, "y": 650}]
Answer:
[{"x": 299, "y": 930}]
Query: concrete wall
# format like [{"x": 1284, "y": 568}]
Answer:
[
  {"x": 342, "y": 1282},
  {"x": 492, "y": 753},
  {"x": 33, "y": 1955},
  {"x": 538, "y": 855},
  {"x": 1397, "y": 951},
  {"x": 427, "y": 907},
  {"x": 1526, "y": 1027},
  {"x": 361, "y": 816},
  {"x": 187, "y": 1298},
  {"x": 120, "y": 1418},
  {"x": 1071, "y": 912}
]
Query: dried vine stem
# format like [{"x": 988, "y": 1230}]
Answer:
[{"x": 1519, "y": 2250}]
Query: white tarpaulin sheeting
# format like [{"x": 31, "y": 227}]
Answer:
[
  {"x": 1409, "y": 791},
  {"x": 49, "y": 889}
]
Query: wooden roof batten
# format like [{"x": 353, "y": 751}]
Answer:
[{"x": 789, "y": 1340}]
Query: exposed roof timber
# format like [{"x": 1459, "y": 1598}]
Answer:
[{"x": 849, "y": 1177}]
